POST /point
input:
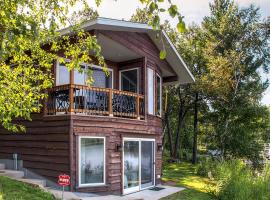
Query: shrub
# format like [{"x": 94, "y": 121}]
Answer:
[
  {"x": 236, "y": 181},
  {"x": 205, "y": 167}
]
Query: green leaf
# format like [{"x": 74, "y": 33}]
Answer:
[
  {"x": 162, "y": 10},
  {"x": 181, "y": 27},
  {"x": 173, "y": 11},
  {"x": 162, "y": 54},
  {"x": 153, "y": 6}
]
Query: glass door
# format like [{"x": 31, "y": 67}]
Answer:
[
  {"x": 131, "y": 166},
  {"x": 147, "y": 164},
  {"x": 138, "y": 164}
]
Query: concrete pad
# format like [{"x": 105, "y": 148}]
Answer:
[
  {"x": 67, "y": 195},
  {"x": 142, "y": 195},
  {"x": 12, "y": 174},
  {"x": 2, "y": 166},
  {"x": 35, "y": 182}
]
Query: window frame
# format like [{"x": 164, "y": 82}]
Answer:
[
  {"x": 86, "y": 65},
  {"x": 79, "y": 163},
  {"x": 154, "y": 92},
  {"x": 99, "y": 67},
  {"x": 160, "y": 98},
  {"x": 138, "y": 78},
  {"x": 57, "y": 74}
]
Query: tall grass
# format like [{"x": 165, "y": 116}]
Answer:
[{"x": 236, "y": 181}]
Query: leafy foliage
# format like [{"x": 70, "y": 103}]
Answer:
[{"x": 30, "y": 41}]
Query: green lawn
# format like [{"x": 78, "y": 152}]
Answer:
[
  {"x": 184, "y": 174},
  {"x": 14, "y": 190}
]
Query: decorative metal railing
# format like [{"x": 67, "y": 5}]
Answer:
[{"x": 94, "y": 101}]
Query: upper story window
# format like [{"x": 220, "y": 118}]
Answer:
[
  {"x": 100, "y": 79},
  {"x": 159, "y": 96},
  {"x": 154, "y": 92},
  {"x": 150, "y": 90},
  {"x": 62, "y": 74},
  {"x": 129, "y": 80}
]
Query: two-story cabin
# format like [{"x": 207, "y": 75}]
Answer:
[{"x": 107, "y": 137}]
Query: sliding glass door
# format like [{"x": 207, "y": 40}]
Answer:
[{"x": 138, "y": 164}]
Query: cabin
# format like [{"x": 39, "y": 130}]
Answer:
[{"x": 107, "y": 136}]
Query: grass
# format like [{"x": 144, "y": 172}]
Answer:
[
  {"x": 184, "y": 174},
  {"x": 15, "y": 190}
]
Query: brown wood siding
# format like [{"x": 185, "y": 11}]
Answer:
[
  {"x": 44, "y": 148},
  {"x": 114, "y": 130},
  {"x": 50, "y": 145}
]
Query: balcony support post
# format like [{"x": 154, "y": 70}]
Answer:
[
  {"x": 110, "y": 103},
  {"x": 138, "y": 106},
  {"x": 71, "y": 94}
]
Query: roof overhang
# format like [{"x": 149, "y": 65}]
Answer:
[{"x": 184, "y": 75}]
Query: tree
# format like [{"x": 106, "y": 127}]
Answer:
[
  {"x": 30, "y": 42},
  {"x": 237, "y": 47}
]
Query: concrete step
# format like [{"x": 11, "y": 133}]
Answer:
[
  {"x": 12, "y": 174},
  {"x": 2, "y": 166},
  {"x": 36, "y": 182}
]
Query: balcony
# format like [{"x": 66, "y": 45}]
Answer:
[{"x": 82, "y": 99}]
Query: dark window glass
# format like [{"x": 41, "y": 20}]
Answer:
[{"x": 129, "y": 80}]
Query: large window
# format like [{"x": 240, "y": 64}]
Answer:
[
  {"x": 159, "y": 96},
  {"x": 100, "y": 78},
  {"x": 150, "y": 87},
  {"x": 129, "y": 80},
  {"x": 91, "y": 161},
  {"x": 62, "y": 74}
]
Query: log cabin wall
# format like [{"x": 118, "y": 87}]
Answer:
[
  {"x": 114, "y": 130},
  {"x": 50, "y": 145},
  {"x": 44, "y": 148}
]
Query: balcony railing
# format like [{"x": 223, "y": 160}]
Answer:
[{"x": 94, "y": 101}]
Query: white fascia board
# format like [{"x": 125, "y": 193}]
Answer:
[
  {"x": 192, "y": 79},
  {"x": 120, "y": 25}
]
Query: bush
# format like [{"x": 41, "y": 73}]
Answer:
[
  {"x": 205, "y": 167},
  {"x": 236, "y": 181}
]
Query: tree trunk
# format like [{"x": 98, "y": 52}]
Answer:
[
  {"x": 167, "y": 125},
  {"x": 195, "y": 136}
]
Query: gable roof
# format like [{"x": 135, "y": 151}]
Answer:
[{"x": 173, "y": 58}]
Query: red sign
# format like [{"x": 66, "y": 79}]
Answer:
[{"x": 64, "y": 180}]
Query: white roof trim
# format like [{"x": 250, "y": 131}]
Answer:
[
  {"x": 177, "y": 54},
  {"x": 179, "y": 66}
]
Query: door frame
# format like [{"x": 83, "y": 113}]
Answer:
[
  {"x": 138, "y": 78},
  {"x": 138, "y": 188}
]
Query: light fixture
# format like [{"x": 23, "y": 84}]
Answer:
[
  {"x": 118, "y": 147},
  {"x": 159, "y": 147}
]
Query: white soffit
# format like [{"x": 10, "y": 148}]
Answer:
[{"x": 173, "y": 57}]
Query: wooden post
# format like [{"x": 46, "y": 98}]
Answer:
[
  {"x": 110, "y": 103},
  {"x": 71, "y": 92},
  {"x": 45, "y": 101},
  {"x": 138, "y": 106}
]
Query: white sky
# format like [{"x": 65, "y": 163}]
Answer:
[{"x": 192, "y": 10}]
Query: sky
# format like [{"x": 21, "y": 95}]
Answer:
[{"x": 192, "y": 10}]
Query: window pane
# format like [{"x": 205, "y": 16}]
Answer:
[
  {"x": 62, "y": 75},
  {"x": 79, "y": 77},
  {"x": 92, "y": 160},
  {"x": 150, "y": 78},
  {"x": 159, "y": 97},
  {"x": 129, "y": 80},
  {"x": 100, "y": 78}
]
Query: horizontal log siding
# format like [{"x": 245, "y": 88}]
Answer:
[
  {"x": 114, "y": 130},
  {"x": 44, "y": 148}
]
